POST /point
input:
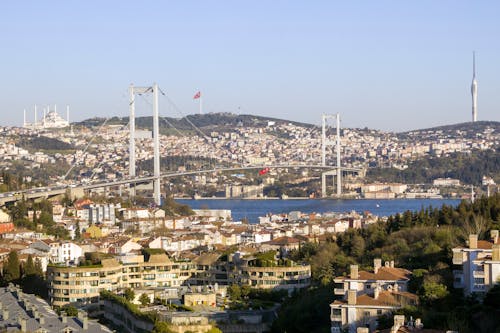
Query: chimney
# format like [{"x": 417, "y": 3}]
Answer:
[
  {"x": 351, "y": 296},
  {"x": 494, "y": 236},
  {"x": 399, "y": 320},
  {"x": 377, "y": 263},
  {"x": 5, "y": 315},
  {"x": 24, "y": 326},
  {"x": 386, "y": 264},
  {"x": 41, "y": 320},
  {"x": 392, "y": 264},
  {"x": 376, "y": 292},
  {"x": 495, "y": 254},
  {"x": 396, "y": 287},
  {"x": 82, "y": 316},
  {"x": 64, "y": 318},
  {"x": 354, "y": 272},
  {"x": 473, "y": 241},
  {"x": 418, "y": 324}
]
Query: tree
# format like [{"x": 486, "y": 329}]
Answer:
[
  {"x": 29, "y": 267},
  {"x": 144, "y": 299},
  {"x": 38, "y": 267},
  {"x": 234, "y": 292},
  {"x": 12, "y": 269},
  {"x": 161, "y": 327},
  {"x": 433, "y": 291},
  {"x": 78, "y": 233},
  {"x": 129, "y": 294},
  {"x": 70, "y": 310}
]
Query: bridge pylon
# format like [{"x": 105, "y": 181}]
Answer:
[
  {"x": 156, "y": 138},
  {"x": 337, "y": 170}
]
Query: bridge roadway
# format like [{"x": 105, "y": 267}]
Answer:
[{"x": 44, "y": 192}]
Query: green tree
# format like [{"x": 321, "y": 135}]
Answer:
[
  {"x": 29, "y": 267},
  {"x": 129, "y": 294},
  {"x": 161, "y": 327},
  {"x": 433, "y": 291},
  {"x": 144, "y": 299},
  {"x": 38, "y": 267},
  {"x": 70, "y": 310},
  {"x": 78, "y": 233},
  {"x": 12, "y": 269},
  {"x": 234, "y": 292}
]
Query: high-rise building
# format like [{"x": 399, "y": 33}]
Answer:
[{"x": 473, "y": 88}]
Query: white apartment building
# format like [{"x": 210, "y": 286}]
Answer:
[{"x": 479, "y": 264}]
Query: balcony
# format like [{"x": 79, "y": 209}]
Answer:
[
  {"x": 339, "y": 291},
  {"x": 478, "y": 274}
]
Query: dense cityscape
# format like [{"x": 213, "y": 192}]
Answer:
[{"x": 260, "y": 167}]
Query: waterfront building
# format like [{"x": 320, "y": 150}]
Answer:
[{"x": 478, "y": 265}]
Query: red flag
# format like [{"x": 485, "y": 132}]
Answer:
[
  {"x": 263, "y": 171},
  {"x": 197, "y": 95}
]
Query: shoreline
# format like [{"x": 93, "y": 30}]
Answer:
[{"x": 307, "y": 198}]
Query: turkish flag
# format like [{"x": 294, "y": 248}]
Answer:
[
  {"x": 197, "y": 95},
  {"x": 263, "y": 171}
]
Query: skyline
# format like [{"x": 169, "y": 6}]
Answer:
[{"x": 390, "y": 65}]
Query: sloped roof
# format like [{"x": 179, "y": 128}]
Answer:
[
  {"x": 160, "y": 258},
  {"x": 384, "y": 273},
  {"x": 207, "y": 258}
]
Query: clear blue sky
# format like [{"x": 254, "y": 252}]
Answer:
[{"x": 392, "y": 65}]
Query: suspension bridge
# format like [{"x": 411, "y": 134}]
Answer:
[{"x": 78, "y": 189}]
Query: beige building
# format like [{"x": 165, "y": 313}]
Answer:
[
  {"x": 276, "y": 277},
  {"x": 386, "y": 276},
  {"x": 367, "y": 295},
  {"x": 363, "y": 310},
  {"x": 194, "y": 299},
  {"x": 479, "y": 264},
  {"x": 82, "y": 284}
]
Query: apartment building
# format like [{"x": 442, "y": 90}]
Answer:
[
  {"x": 363, "y": 310},
  {"x": 22, "y": 312},
  {"x": 82, "y": 284},
  {"x": 479, "y": 264},
  {"x": 367, "y": 295},
  {"x": 385, "y": 277},
  {"x": 288, "y": 276}
]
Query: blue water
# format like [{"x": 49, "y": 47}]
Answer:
[{"x": 252, "y": 209}]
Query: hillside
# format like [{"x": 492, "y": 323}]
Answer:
[
  {"x": 467, "y": 130},
  {"x": 469, "y": 168},
  {"x": 210, "y": 121}
]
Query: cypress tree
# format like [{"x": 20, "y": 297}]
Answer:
[
  {"x": 12, "y": 269},
  {"x": 29, "y": 268}
]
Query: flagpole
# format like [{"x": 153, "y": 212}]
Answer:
[{"x": 201, "y": 110}]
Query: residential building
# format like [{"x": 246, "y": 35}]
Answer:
[
  {"x": 22, "y": 312},
  {"x": 364, "y": 282},
  {"x": 479, "y": 264},
  {"x": 367, "y": 295}
]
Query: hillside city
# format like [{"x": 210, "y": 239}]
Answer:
[{"x": 107, "y": 260}]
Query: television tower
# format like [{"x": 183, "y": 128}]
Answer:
[{"x": 473, "y": 88}]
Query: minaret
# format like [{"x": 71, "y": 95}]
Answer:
[{"x": 473, "y": 88}]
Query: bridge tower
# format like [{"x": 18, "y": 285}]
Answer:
[
  {"x": 156, "y": 137},
  {"x": 324, "y": 143}
]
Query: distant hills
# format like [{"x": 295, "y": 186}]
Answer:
[
  {"x": 466, "y": 130},
  {"x": 210, "y": 121},
  {"x": 227, "y": 121}
]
